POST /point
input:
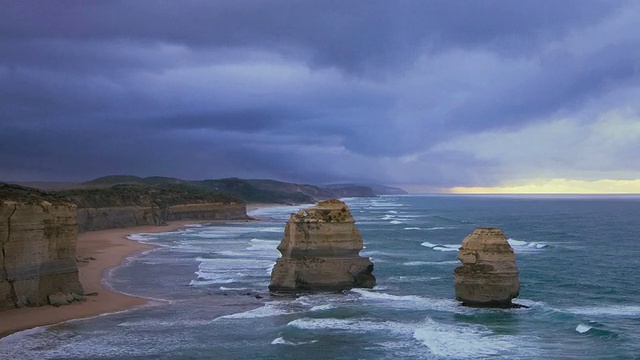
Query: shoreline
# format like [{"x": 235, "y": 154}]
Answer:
[{"x": 97, "y": 253}]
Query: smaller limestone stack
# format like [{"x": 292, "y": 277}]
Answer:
[
  {"x": 488, "y": 276},
  {"x": 320, "y": 252}
]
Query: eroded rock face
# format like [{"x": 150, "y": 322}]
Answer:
[
  {"x": 37, "y": 247},
  {"x": 92, "y": 219},
  {"x": 320, "y": 252},
  {"x": 488, "y": 276}
]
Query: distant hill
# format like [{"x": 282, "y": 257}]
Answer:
[
  {"x": 145, "y": 195},
  {"x": 129, "y": 179},
  {"x": 248, "y": 190}
]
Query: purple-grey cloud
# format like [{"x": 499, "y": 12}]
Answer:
[{"x": 303, "y": 91}]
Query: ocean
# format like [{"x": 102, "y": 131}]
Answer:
[{"x": 578, "y": 256}]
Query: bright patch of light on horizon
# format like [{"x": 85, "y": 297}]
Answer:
[{"x": 557, "y": 186}]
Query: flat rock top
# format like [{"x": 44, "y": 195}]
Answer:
[
  {"x": 483, "y": 237},
  {"x": 325, "y": 211}
]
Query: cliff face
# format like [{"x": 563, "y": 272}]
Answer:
[
  {"x": 320, "y": 251},
  {"x": 37, "y": 247},
  {"x": 92, "y": 219},
  {"x": 134, "y": 205},
  {"x": 488, "y": 276},
  {"x": 207, "y": 211}
]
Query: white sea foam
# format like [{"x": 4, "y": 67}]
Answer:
[
  {"x": 274, "y": 229},
  {"x": 263, "y": 245},
  {"x": 228, "y": 270},
  {"x": 412, "y": 228},
  {"x": 395, "y": 222},
  {"x": 142, "y": 237},
  {"x": 268, "y": 310},
  {"x": 270, "y": 269},
  {"x": 410, "y": 301},
  {"x": 420, "y": 263},
  {"x": 322, "y": 307},
  {"x": 441, "y": 228},
  {"x": 469, "y": 342},
  {"x": 282, "y": 341},
  {"x": 520, "y": 246},
  {"x": 224, "y": 288},
  {"x": 20, "y": 335},
  {"x": 582, "y": 328},
  {"x": 203, "y": 282},
  {"x": 355, "y": 326},
  {"x": 440, "y": 247},
  {"x": 606, "y": 310},
  {"x": 367, "y": 253}
]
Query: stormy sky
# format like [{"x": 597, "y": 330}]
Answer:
[{"x": 425, "y": 94}]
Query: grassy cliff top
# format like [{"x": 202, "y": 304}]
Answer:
[
  {"x": 11, "y": 192},
  {"x": 145, "y": 195}
]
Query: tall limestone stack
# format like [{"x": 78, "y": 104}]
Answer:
[
  {"x": 488, "y": 276},
  {"x": 37, "y": 249},
  {"x": 320, "y": 252}
]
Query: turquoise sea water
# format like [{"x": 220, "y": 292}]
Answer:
[{"x": 579, "y": 261}]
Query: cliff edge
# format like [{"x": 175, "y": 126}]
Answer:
[
  {"x": 37, "y": 248},
  {"x": 133, "y": 205}
]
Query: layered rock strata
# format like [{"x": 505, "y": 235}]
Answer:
[
  {"x": 101, "y": 218},
  {"x": 488, "y": 276},
  {"x": 37, "y": 247},
  {"x": 320, "y": 252}
]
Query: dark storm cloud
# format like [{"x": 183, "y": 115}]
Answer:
[
  {"x": 348, "y": 34},
  {"x": 308, "y": 91}
]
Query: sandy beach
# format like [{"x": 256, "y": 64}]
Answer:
[{"x": 97, "y": 252}]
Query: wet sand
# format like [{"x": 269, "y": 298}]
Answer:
[{"x": 97, "y": 252}]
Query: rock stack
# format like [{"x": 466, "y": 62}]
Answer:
[
  {"x": 488, "y": 276},
  {"x": 320, "y": 252}
]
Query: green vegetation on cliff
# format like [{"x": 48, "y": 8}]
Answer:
[
  {"x": 11, "y": 192},
  {"x": 144, "y": 195},
  {"x": 249, "y": 190}
]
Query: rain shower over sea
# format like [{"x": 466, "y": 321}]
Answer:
[{"x": 578, "y": 257}]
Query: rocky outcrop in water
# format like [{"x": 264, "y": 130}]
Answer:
[
  {"x": 488, "y": 276},
  {"x": 320, "y": 252},
  {"x": 37, "y": 247}
]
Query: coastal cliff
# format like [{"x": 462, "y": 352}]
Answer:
[
  {"x": 38, "y": 248},
  {"x": 134, "y": 205},
  {"x": 248, "y": 190},
  {"x": 320, "y": 251}
]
